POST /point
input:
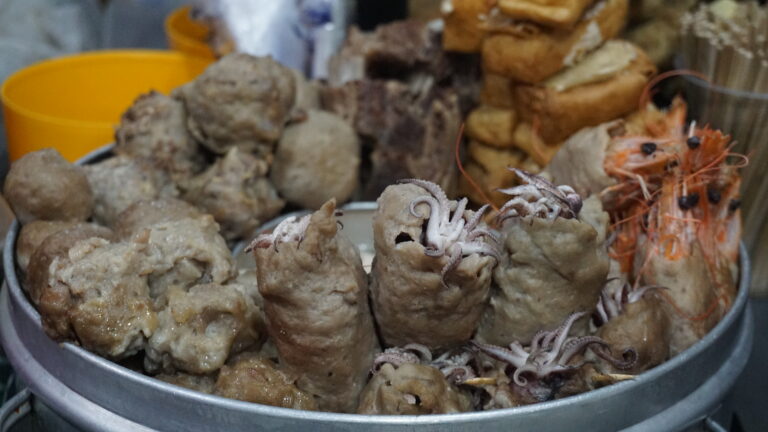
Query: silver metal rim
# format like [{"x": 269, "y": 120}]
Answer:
[{"x": 19, "y": 298}]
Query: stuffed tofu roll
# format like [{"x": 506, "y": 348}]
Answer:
[
  {"x": 553, "y": 263},
  {"x": 431, "y": 276},
  {"x": 316, "y": 302},
  {"x": 633, "y": 318}
]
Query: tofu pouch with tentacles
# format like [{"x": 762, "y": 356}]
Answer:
[
  {"x": 552, "y": 265},
  {"x": 633, "y": 317},
  {"x": 316, "y": 302},
  {"x": 549, "y": 367},
  {"x": 407, "y": 381},
  {"x": 432, "y": 271}
]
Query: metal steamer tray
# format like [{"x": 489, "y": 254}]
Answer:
[{"x": 96, "y": 394}]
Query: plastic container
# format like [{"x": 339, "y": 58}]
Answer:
[
  {"x": 72, "y": 103},
  {"x": 187, "y": 35}
]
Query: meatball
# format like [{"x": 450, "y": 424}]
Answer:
[
  {"x": 200, "y": 328},
  {"x": 56, "y": 246},
  {"x": 42, "y": 185},
  {"x": 317, "y": 160},
  {"x": 240, "y": 100},
  {"x": 143, "y": 214},
  {"x": 97, "y": 296},
  {"x": 32, "y": 235},
  {"x": 201, "y": 383},
  {"x": 236, "y": 191},
  {"x": 121, "y": 181},
  {"x": 252, "y": 378},
  {"x": 154, "y": 130},
  {"x": 183, "y": 253}
]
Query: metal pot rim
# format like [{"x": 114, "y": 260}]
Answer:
[{"x": 19, "y": 297}]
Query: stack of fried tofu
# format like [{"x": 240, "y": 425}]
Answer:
[{"x": 550, "y": 68}]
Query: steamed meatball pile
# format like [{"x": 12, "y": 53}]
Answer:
[{"x": 130, "y": 255}]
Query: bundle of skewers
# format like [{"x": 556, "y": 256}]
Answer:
[
  {"x": 726, "y": 44},
  {"x": 727, "y": 41}
]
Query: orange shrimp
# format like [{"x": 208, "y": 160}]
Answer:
[{"x": 676, "y": 193}]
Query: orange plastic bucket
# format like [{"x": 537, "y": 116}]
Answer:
[
  {"x": 73, "y": 103},
  {"x": 187, "y": 35}
]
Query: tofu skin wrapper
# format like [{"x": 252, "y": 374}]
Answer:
[
  {"x": 549, "y": 270},
  {"x": 316, "y": 302},
  {"x": 642, "y": 326},
  {"x": 410, "y": 301}
]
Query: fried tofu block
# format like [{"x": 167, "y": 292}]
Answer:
[
  {"x": 497, "y": 91},
  {"x": 532, "y": 57},
  {"x": 492, "y": 126},
  {"x": 562, "y": 113},
  {"x": 488, "y": 168},
  {"x": 551, "y": 13},
  {"x": 464, "y": 24},
  {"x": 528, "y": 139}
]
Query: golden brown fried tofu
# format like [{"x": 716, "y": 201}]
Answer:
[
  {"x": 464, "y": 24},
  {"x": 562, "y": 113},
  {"x": 534, "y": 56},
  {"x": 497, "y": 91},
  {"x": 551, "y": 13},
  {"x": 492, "y": 126}
]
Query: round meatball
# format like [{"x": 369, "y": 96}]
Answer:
[
  {"x": 317, "y": 160},
  {"x": 241, "y": 100},
  {"x": 42, "y": 185},
  {"x": 32, "y": 235},
  {"x": 154, "y": 130},
  {"x": 237, "y": 192},
  {"x": 144, "y": 214},
  {"x": 121, "y": 181},
  {"x": 55, "y": 246}
]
